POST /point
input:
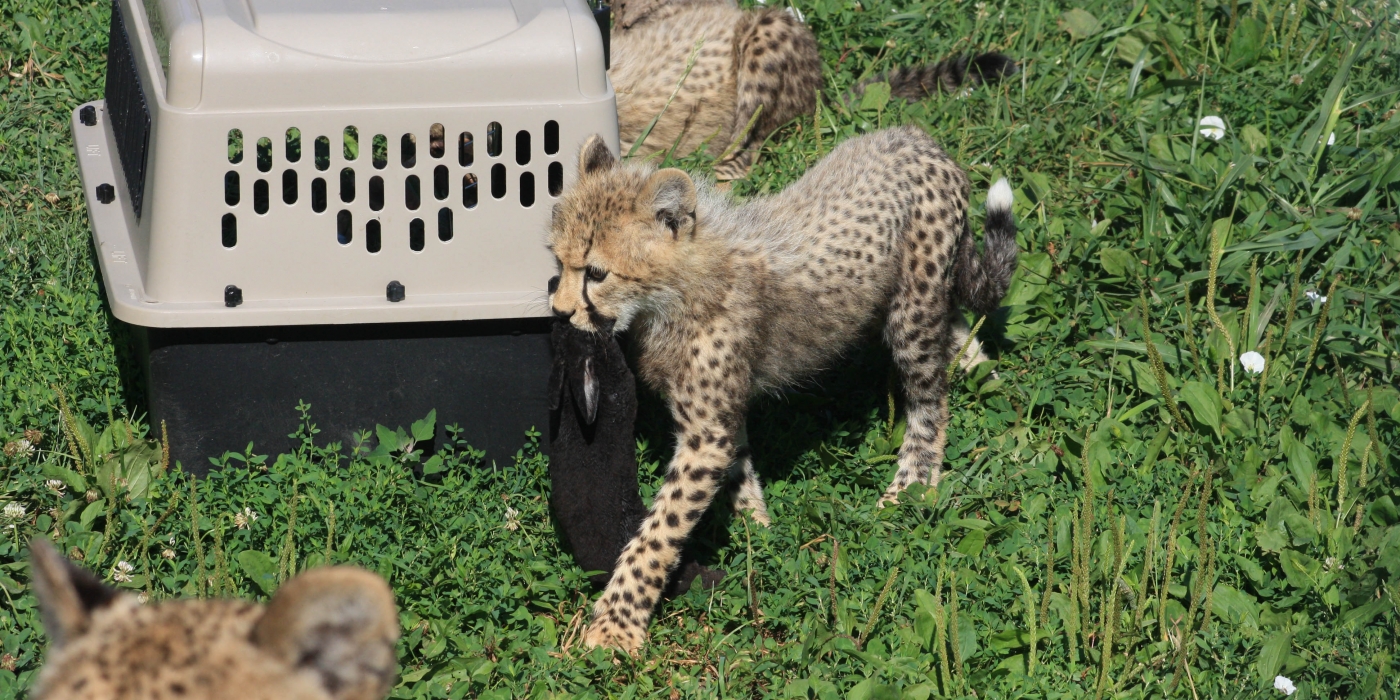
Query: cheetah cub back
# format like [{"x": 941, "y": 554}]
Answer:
[
  {"x": 728, "y": 300},
  {"x": 328, "y": 634}
]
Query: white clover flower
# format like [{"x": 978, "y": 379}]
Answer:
[
  {"x": 167, "y": 553},
  {"x": 172, "y": 540},
  {"x": 19, "y": 448},
  {"x": 56, "y": 485},
  {"x": 1253, "y": 362},
  {"x": 1314, "y": 297},
  {"x": 1284, "y": 685},
  {"x": 143, "y": 598},
  {"x": 15, "y": 511},
  {"x": 241, "y": 519},
  {"x": 512, "y": 519},
  {"x": 122, "y": 572},
  {"x": 1212, "y": 127}
]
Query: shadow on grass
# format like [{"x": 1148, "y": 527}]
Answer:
[
  {"x": 782, "y": 428},
  {"x": 127, "y": 344}
]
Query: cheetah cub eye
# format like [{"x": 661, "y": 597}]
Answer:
[{"x": 595, "y": 274}]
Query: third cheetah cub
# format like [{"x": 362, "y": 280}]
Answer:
[
  {"x": 727, "y": 300},
  {"x": 327, "y": 634}
]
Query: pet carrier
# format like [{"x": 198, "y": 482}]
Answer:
[{"x": 338, "y": 201}]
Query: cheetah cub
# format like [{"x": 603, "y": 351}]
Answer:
[
  {"x": 728, "y": 300},
  {"x": 748, "y": 59},
  {"x": 328, "y": 634}
]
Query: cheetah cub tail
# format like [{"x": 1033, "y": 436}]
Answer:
[
  {"x": 982, "y": 280},
  {"x": 955, "y": 76}
]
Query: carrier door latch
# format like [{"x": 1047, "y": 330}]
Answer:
[{"x": 394, "y": 292}]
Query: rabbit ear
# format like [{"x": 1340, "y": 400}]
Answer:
[
  {"x": 590, "y": 392},
  {"x": 583, "y": 379}
]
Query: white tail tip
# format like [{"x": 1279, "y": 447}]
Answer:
[{"x": 1000, "y": 196}]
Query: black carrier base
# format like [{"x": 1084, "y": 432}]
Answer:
[{"x": 217, "y": 389}]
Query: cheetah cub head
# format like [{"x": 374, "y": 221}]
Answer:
[
  {"x": 328, "y": 634},
  {"x": 624, "y": 236}
]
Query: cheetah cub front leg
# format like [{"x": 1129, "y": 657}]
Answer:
[{"x": 707, "y": 449}]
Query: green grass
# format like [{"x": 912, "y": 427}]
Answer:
[{"x": 1210, "y": 528}]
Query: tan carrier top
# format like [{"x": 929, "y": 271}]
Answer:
[{"x": 276, "y": 162}]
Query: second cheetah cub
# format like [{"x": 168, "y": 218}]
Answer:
[
  {"x": 756, "y": 69},
  {"x": 728, "y": 300}
]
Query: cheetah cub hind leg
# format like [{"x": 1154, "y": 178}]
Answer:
[
  {"x": 979, "y": 283},
  {"x": 778, "y": 73},
  {"x": 746, "y": 490}
]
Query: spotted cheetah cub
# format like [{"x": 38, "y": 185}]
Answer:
[
  {"x": 328, "y": 634},
  {"x": 728, "y": 300},
  {"x": 748, "y": 59}
]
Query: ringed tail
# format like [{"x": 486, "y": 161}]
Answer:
[
  {"x": 981, "y": 280},
  {"x": 949, "y": 75}
]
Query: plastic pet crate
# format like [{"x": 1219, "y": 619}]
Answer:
[{"x": 341, "y": 202}]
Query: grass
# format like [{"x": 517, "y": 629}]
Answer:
[{"x": 1127, "y": 512}]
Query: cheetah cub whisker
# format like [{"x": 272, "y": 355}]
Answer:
[{"x": 729, "y": 300}]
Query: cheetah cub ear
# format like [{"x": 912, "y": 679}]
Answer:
[
  {"x": 68, "y": 594},
  {"x": 670, "y": 194},
  {"x": 338, "y": 623},
  {"x": 595, "y": 157}
]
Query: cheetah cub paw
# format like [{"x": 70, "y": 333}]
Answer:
[{"x": 611, "y": 635}]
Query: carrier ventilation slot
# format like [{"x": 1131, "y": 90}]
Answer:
[
  {"x": 126, "y": 109},
  {"x": 499, "y": 179}
]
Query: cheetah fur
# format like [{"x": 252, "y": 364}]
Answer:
[
  {"x": 729, "y": 300},
  {"x": 327, "y": 634},
  {"x": 762, "y": 61}
]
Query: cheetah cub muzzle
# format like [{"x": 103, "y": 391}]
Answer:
[
  {"x": 328, "y": 634},
  {"x": 728, "y": 300}
]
